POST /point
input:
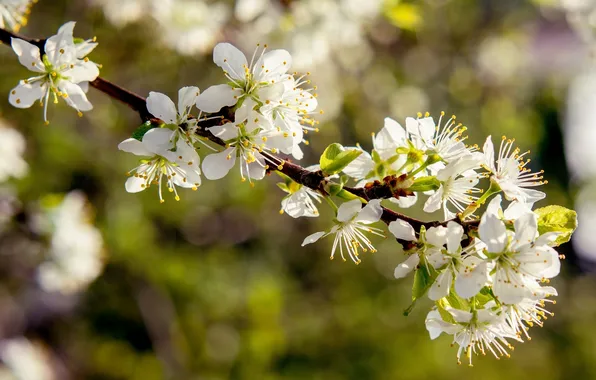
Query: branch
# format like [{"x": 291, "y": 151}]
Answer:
[{"x": 312, "y": 180}]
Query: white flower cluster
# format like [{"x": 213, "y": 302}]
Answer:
[
  {"x": 13, "y": 13},
  {"x": 63, "y": 71},
  {"x": 487, "y": 280},
  {"x": 12, "y": 147},
  {"x": 272, "y": 114}
]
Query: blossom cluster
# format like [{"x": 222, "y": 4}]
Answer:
[
  {"x": 13, "y": 13},
  {"x": 271, "y": 115}
]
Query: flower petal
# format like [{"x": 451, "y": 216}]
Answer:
[
  {"x": 402, "y": 230},
  {"x": 135, "y": 147},
  {"x": 76, "y": 97},
  {"x": 231, "y": 60},
  {"x": 403, "y": 269},
  {"x": 134, "y": 184},
  {"x": 159, "y": 141},
  {"x": 25, "y": 94},
  {"x": 29, "y": 55},
  {"x": 187, "y": 97},
  {"x": 472, "y": 278},
  {"x": 217, "y": 165},
  {"x": 370, "y": 213},
  {"x": 313, "y": 238},
  {"x": 437, "y": 236},
  {"x": 162, "y": 107},
  {"x": 454, "y": 234},
  {"x": 348, "y": 210},
  {"x": 440, "y": 288},
  {"x": 489, "y": 154},
  {"x": 493, "y": 233},
  {"x": 216, "y": 97}
]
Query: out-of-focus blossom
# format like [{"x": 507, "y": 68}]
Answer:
[
  {"x": 12, "y": 147},
  {"x": 76, "y": 247},
  {"x": 120, "y": 12},
  {"x": 191, "y": 26},
  {"x": 13, "y": 13},
  {"x": 26, "y": 360}
]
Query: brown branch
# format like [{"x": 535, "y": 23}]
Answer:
[{"x": 313, "y": 180}]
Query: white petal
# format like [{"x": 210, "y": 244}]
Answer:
[
  {"x": 25, "y": 94},
  {"x": 402, "y": 230},
  {"x": 403, "y": 269},
  {"x": 134, "y": 146},
  {"x": 76, "y": 97},
  {"x": 493, "y": 233},
  {"x": 437, "y": 236},
  {"x": 273, "y": 64},
  {"x": 473, "y": 278},
  {"x": 348, "y": 210},
  {"x": 489, "y": 154},
  {"x": 216, "y": 97},
  {"x": 28, "y": 54},
  {"x": 370, "y": 213},
  {"x": 231, "y": 60},
  {"x": 217, "y": 165},
  {"x": 225, "y": 132},
  {"x": 85, "y": 48},
  {"x": 256, "y": 169},
  {"x": 390, "y": 137},
  {"x": 461, "y": 316},
  {"x": 360, "y": 167},
  {"x": 516, "y": 209},
  {"x": 187, "y": 97},
  {"x": 526, "y": 228},
  {"x": 159, "y": 141},
  {"x": 82, "y": 72},
  {"x": 454, "y": 234},
  {"x": 134, "y": 184},
  {"x": 435, "y": 201},
  {"x": 313, "y": 238},
  {"x": 494, "y": 206},
  {"x": 405, "y": 202},
  {"x": 440, "y": 288},
  {"x": 434, "y": 324},
  {"x": 162, "y": 107}
]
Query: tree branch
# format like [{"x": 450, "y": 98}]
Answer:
[{"x": 312, "y": 180}]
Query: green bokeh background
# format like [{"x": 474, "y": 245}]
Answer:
[{"x": 216, "y": 286}]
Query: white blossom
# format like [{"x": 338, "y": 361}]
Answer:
[
  {"x": 246, "y": 139},
  {"x": 12, "y": 147},
  {"x": 458, "y": 182},
  {"x": 61, "y": 72},
  {"x": 169, "y": 155},
  {"x": 520, "y": 258},
  {"x": 261, "y": 79},
  {"x": 300, "y": 200},
  {"x": 477, "y": 332},
  {"x": 510, "y": 173},
  {"x": 76, "y": 248},
  {"x": 350, "y": 228}
]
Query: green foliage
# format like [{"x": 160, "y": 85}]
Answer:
[
  {"x": 335, "y": 158},
  {"x": 557, "y": 219},
  {"x": 425, "y": 184},
  {"x": 144, "y": 128}
]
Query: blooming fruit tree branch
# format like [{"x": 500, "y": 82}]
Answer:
[{"x": 484, "y": 268}]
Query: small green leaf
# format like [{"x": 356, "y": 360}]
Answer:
[
  {"x": 557, "y": 219},
  {"x": 334, "y": 188},
  {"x": 456, "y": 302},
  {"x": 335, "y": 158},
  {"x": 425, "y": 184},
  {"x": 424, "y": 277},
  {"x": 445, "y": 315},
  {"x": 283, "y": 187},
  {"x": 144, "y": 128},
  {"x": 343, "y": 194}
]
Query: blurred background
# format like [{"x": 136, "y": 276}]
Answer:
[{"x": 96, "y": 283}]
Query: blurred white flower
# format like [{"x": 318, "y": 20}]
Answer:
[
  {"x": 26, "y": 360},
  {"x": 13, "y": 13},
  {"x": 120, "y": 12},
  {"x": 75, "y": 258},
  {"x": 190, "y": 26},
  {"x": 12, "y": 147}
]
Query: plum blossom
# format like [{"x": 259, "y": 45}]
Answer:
[
  {"x": 13, "y": 13},
  {"x": 169, "y": 156},
  {"x": 12, "y": 147},
  {"x": 510, "y": 173},
  {"x": 350, "y": 227},
  {"x": 61, "y": 72}
]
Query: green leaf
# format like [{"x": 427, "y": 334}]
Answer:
[
  {"x": 283, "y": 187},
  {"x": 424, "y": 277},
  {"x": 445, "y": 315},
  {"x": 335, "y": 158},
  {"x": 456, "y": 302},
  {"x": 557, "y": 219},
  {"x": 425, "y": 184},
  {"x": 334, "y": 188},
  {"x": 144, "y": 128}
]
